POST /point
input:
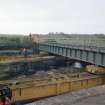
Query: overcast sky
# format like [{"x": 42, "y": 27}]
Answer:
[{"x": 43, "y": 16}]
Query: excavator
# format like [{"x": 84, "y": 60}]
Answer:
[{"x": 5, "y": 95}]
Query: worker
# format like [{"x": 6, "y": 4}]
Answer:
[{"x": 25, "y": 52}]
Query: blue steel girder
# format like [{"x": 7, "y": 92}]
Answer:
[{"x": 88, "y": 54}]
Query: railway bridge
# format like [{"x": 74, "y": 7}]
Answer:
[{"x": 87, "y": 48}]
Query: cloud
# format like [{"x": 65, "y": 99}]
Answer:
[{"x": 43, "y": 16}]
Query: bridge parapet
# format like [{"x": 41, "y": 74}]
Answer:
[{"x": 81, "y": 47}]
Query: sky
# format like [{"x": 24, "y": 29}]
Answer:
[{"x": 44, "y": 16}]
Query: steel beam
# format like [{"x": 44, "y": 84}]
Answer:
[{"x": 95, "y": 56}]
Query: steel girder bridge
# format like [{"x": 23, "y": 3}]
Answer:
[{"x": 90, "y": 54}]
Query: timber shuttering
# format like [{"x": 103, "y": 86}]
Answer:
[{"x": 34, "y": 90}]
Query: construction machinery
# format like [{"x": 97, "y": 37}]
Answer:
[{"x": 5, "y": 95}]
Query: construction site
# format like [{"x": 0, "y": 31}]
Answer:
[{"x": 52, "y": 69}]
